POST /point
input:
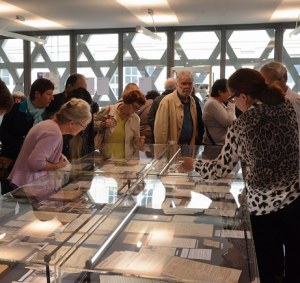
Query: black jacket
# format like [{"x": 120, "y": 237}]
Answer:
[
  {"x": 200, "y": 124},
  {"x": 13, "y": 130}
]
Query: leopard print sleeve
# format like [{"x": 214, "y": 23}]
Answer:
[{"x": 225, "y": 162}]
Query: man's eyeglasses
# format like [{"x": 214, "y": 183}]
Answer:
[
  {"x": 282, "y": 77},
  {"x": 136, "y": 108},
  {"x": 84, "y": 127}
]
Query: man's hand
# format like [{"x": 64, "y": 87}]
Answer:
[{"x": 187, "y": 164}]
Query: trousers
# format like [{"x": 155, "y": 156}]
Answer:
[{"x": 273, "y": 231}]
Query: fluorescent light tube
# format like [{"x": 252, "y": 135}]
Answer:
[
  {"x": 147, "y": 32},
  {"x": 21, "y": 36},
  {"x": 295, "y": 31}
]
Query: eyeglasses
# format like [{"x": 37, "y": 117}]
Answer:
[
  {"x": 136, "y": 108},
  {"x": 224, "y": 255},
  {"x": 231, "y": 98},
  {"x": 282, "y": 77},
  {"x": 84, "y": 127}
]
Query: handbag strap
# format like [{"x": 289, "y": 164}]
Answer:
[
  {"x": 108, "y": 117},
  {"x": 209, "y": 136}
]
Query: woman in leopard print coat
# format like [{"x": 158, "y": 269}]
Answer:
[{"x": 266, "y": 136}]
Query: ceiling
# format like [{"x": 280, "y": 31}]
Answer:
[{"x": 91, "y": 14}]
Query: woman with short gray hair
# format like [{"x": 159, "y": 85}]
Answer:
[{"x": 41, "y": 151}]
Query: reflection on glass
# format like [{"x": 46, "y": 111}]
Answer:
[
  {"x": 199, "y": 201},
  {"x": 104, "y": 189}
]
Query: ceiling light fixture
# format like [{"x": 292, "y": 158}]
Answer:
[
  {"x": 145, "y": 31},
  {"x": 296, "y": 30},
  {"x": 21, "y": 36}
]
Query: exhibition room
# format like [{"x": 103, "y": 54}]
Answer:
[{"x": 148, "y": 141}]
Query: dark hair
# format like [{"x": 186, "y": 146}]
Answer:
[
  {"x": 6, "y": 100},
  {"x": 80, "y": 93},
  {"x": 252, "y": 83},
  {"x": 72, "y": 80},
  {"x": 152, "y": 94},
  {"x": 95, "y": 107},
  {"x": 41, "y": 85},
  {"x": 221, "y": 85},
  {"x": 134, "y": 96}
]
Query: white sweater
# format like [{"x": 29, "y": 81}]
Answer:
[{"x": 217, "y": 118}]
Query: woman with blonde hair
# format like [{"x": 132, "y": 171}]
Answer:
[{"x": 42, "y": 147}]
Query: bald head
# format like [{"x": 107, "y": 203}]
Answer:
[
  {"x": 170, "y": 84},
  {"x": 275, "y": 72}
]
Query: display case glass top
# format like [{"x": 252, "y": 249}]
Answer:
[
  {"x": 108, "y": 159},
  {"x": 99, "y": 220},
  {"x": 43, "y": 221},
  {"x": 171, "y": 228}
]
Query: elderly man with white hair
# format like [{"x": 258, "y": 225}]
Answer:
[
  {"x": 176, "y": 118},
  {"x": 275, "y": 72}
]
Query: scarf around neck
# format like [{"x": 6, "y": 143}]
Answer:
[{"x": 36, "y": 113}]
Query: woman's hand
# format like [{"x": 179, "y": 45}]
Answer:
[
  {"x": 108, "y": 123},
  {"x": 187, "y": 164},
  {"x": 62, "y": 162},
  {"x": 140, "y": 141}
]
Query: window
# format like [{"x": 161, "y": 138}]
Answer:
[
  {"x": 145, "y": 57},
  {"x": 97, "y": 56},
  {"x": 199, "y": 48},
  {"x": 248, "y": 49},
  {"x": 11, "y": 64},
  {"x": 291, "y": 59},
  {"x": 51, "y": 57}
]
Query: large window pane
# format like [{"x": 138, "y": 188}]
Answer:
[
  {"x": 145, "y": 57},
  {"x": 291, "y": 59},
  {"x": 97, "y": 56},
  {"x": 199, "y": 48},
  {"x": 51, "y": 57},
  {"x": 248, "y": 49},
  {"x": 11, "y": 64}
]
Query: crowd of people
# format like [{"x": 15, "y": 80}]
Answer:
[{"x": 41, "y": 132}]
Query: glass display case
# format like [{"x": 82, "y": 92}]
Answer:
[
  {"x": 179, "y": 229},
  {"x": 44, "y": 220},
  {"x": 104, "y": 216}
]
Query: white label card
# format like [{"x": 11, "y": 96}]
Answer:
[
  {"x": 17, "y": 208},
  {"x": 184, "y": 253}
]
